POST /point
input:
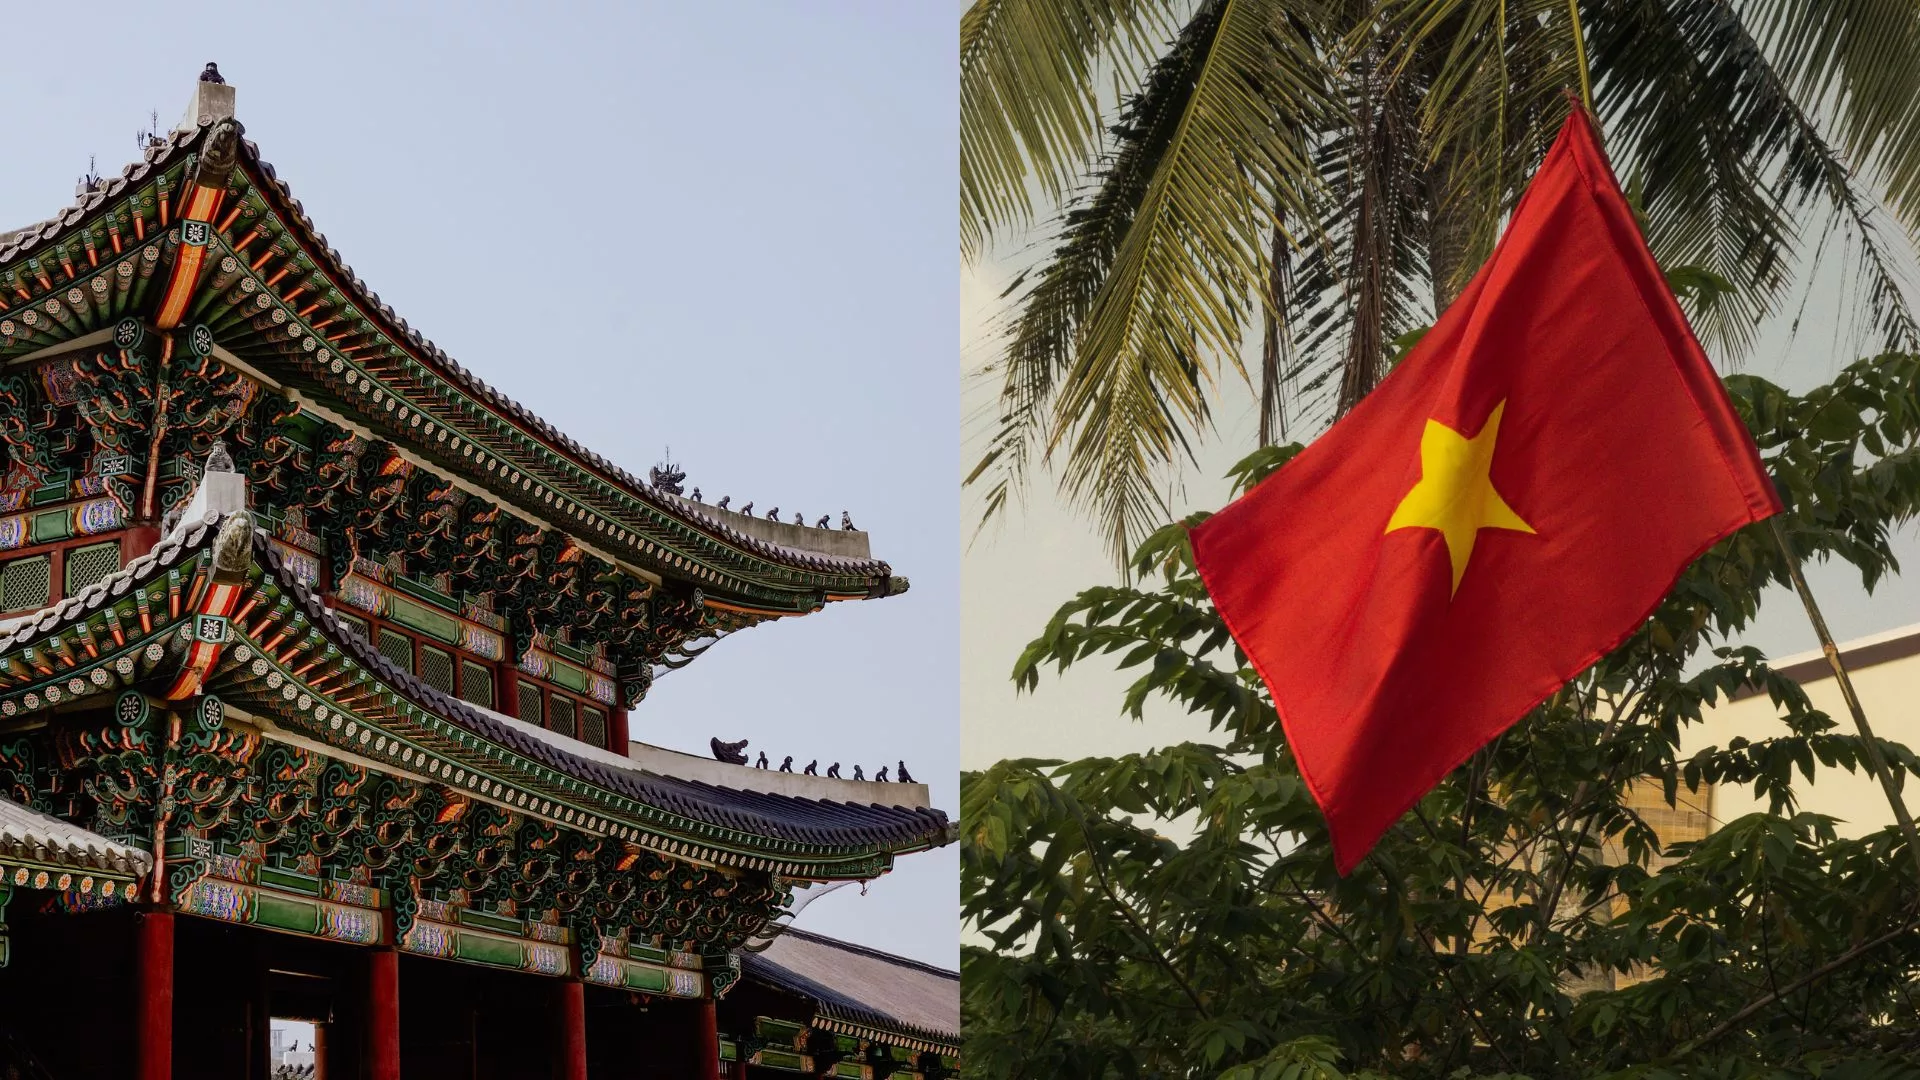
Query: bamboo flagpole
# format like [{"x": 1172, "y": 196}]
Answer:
[{"x": 1580, "y": 60}]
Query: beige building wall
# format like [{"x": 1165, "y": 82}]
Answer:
[{"x": 1886, "y": 673}]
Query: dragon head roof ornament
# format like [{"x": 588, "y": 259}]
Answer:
[{"x": 233, "y": 549}]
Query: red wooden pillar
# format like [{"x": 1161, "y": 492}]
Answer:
[
  {"x": 509, "y": 683},
  {"x": 706, "y": 1030},
  {"x": 383, "y": 1015},
  {"x": 573, "y": 1029},
  {"x": 153, "y": 981},
  {"x": 617, "y": 738}
]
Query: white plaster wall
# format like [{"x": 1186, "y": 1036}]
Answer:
[{"x": 1890, "y": 694}]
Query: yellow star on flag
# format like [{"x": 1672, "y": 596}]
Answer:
[{"x": 1454, "y": 493}]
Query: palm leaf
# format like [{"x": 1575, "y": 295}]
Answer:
[
  {"x": 1856, "y": 62},
  {"x": 1029, "y": 110},
  {"x": 1045, "y": 331},
  {"x": 1181, "y": 288},
  {"x": 1725, "y": 159}
]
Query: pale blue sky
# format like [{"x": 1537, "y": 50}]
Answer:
[{"x": 727, "y": 229}]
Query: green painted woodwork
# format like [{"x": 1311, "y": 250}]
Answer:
[
  {"x": 283, "y": 913},
  {"x": 487, "y": 920},
  {"x": 430, "y": 595},
  {"x": 568, "y": 676},
  {"x": 287, "y": 879},
  {"x": 774, "y": 1030},
  {"x": 646, "y": 978},
  {"x": 782, "y": 1059},
  {"x": 570, "y": 652},
  {"x": 49, "y": 526},
  {"x": 849, "y": 1068},
  {"x": 482, "y": 949},
  {"x": 729, "y": 1050},
  {"x": 416, "y": 616}
]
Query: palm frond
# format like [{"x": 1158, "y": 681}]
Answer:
[
  {"x": 1174, "y": 304},
  {"x": 1495, "y": 75},
  {"x": 1856, "y": 62},
  {"x": 1044, "y": 332},
  {"x": 1725, "y": 158},
  {"x": 1335, "y": 169},
  {"x": 1029, "y": 108},
  {"x": 1366, "y": 282}
]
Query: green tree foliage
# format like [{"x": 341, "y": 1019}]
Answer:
[
  {"x": 1314, "y": 173},
  {"x": 1175, "y": 913}
]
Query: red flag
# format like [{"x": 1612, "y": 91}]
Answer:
[{"x": 1504, "y": 509}]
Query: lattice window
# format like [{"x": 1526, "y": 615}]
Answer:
[
  {"x": 476, "y": 683},
  {"x": 26, "y": 584},
  {"x": 593, "y": 726},
  {"x": 355, "y": 623},
  {"x": 436, "y": 669},
  {"x": 397, "y": 648},
  {"x": 530, "y": 703},
  {"x": 87, "y": 565},
  {"x": 561, "y": 715}
]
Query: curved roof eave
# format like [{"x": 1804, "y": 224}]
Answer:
[
  {"x": 178, "y": 145},
  {"x": 801, "y": 837}
]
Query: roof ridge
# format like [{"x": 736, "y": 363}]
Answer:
[{"x": 1880, "y": 637}]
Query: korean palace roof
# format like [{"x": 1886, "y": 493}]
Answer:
[
  {"x": 847, "y": 829},
  {"x": 292, "y": 306},
  {"x": 861, "y": 991}
]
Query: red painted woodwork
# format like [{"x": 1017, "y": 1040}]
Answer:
[
  {"x": 573, "y": 1029},
  {"x": 617, "y": 738},
  {"x": 153, "y": 982},
  {"x": 507, "y": 700},
  {"x": 137, "y": 542},
  {"x": 706, "y": 1028},
  {"x": 383, "y": 1015}
]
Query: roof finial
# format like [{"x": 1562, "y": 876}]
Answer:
[
  {"x": 149, "y": 137},
  {"x": 211, "y": 73},
  {"x": 218, "y": 460},
  {"x": 667, "y": 476}
]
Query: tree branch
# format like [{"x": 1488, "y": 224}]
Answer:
[
  {"x": 1764, "y": 1000},
  {"x": 1126, "y": 912}
]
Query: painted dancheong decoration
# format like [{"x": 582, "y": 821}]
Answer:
[{"x": 307, "y": 629}]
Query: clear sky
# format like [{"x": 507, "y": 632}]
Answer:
[{"x": 727, "y": 230}]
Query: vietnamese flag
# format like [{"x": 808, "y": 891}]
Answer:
[{"x": 1505, "y": 508}]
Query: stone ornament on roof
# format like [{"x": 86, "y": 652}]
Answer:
[
  {"x": 667, "y": 476},
  {"x": 733, "y": 753}
]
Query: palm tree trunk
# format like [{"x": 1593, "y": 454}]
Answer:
[
  {"x": 1273, "y": 344},
  {"x": 1449, "y": 234},
  {"x": 1366, "y": 352}
]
